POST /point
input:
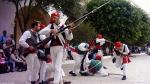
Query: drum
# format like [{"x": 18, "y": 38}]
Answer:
[{"x": 94, "y": 66}]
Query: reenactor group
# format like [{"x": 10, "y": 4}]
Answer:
[{"x": 43, "y": 49}]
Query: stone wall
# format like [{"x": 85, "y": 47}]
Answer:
[{"x": 7, "y": 16}]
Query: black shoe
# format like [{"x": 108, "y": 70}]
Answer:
[
  {"x": 40, "y": 83},
  {"x": 121, "y": 68},
  {"x": 72, "y": 73},
  {"x": 84, "y": 74},
  {"x": 66, "y": 82},
  {"x": 33, "y": 82},
  {"x": 50, "y": 79},
  {"x": 124, "y": 78},
  {"x": 43, "y": 82},
  {"x": 104, "y": 67}
]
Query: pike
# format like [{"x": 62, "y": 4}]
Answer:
[
  {"x": 114, "y": 74},
  {"x": 82, "y": 17}
]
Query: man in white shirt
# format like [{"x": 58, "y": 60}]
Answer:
[
  {"x": 56, "y": 45},
  {"x": 28, "y": 41},
  {"x": 121, "y": 57},
  {"x": 80, "y": 57}
]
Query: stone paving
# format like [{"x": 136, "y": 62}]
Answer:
[{"x": 138, "y": 73}]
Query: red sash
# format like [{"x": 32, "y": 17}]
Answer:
[
  {"x": 126, "y": 59},
  {"x": 73, "y": 49},
  {"x": 98, "y": 47}
]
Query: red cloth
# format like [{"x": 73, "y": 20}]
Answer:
[
  {"x": 55, "y": 41},
  {"x": 29, "y": 50},
  {"x": 126, "y": 59},
  {"x": 98, "y": 47},
  {"x": 2, "y": 61},
  {"x": 66, "y": 45},
  {"x": 49, "y": 60},
  {"x": 118, "y": 44},
  {"x": 98, "y": 57},
  {"x": 73, "y": 49},
  {"x": 55, "y": 14},
  {"x": 42, "y": 26},
  {"x": 53, "y": 17},
  {"x": 99, "y": 36}
]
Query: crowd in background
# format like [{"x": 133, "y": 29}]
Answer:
[{"x": 10, "y": 60}]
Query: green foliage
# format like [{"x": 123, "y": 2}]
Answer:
[
  {"x": 83, "y": 33},
  {"x": 72, "y": 8},
  {"x": 145, "y": 31},
  {"x": 119, "y": 20}
]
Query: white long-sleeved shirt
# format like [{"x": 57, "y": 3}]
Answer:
[
  {"x": 47, "y": 30},
  {"x": 83, "y": 46},
  {"x": 124, "y": 50},
  {"x": 100, "y": 41},
  {"x": 24, "y": 37}
]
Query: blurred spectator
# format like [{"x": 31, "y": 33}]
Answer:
[
  {"x": 3, "y": 37},
  {"x": 1, "y": 46},
  {"x": 18, "y": 63},
  {"x": 12, "y": 38},
  {"x": 3, "y": 64},
  {"x": 8, "y": 47}
]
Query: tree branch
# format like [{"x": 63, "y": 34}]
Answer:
[
  {"x": 25, "y": 2},
  {"x": 28, "y": 14},
  {"x": 21, "y": 14}
]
